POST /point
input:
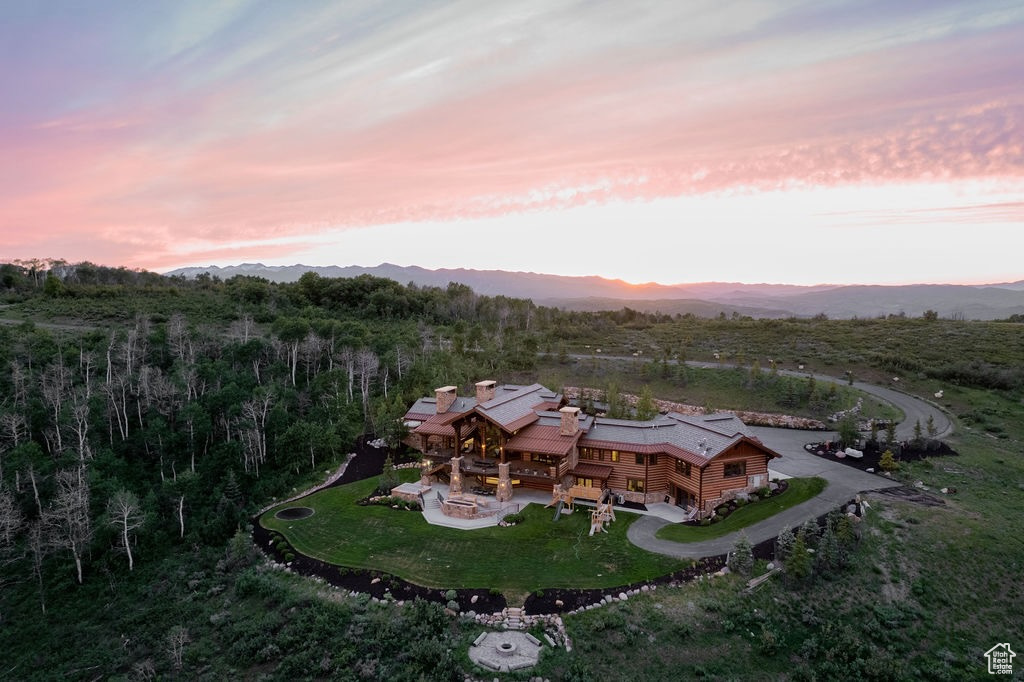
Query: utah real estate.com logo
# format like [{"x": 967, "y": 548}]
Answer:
[{"x": 1000, "y": 659}]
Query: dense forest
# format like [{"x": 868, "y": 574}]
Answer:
[{"x": 145, "y": 419}]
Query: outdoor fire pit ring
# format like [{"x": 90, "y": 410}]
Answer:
[
  {"x": 294, "y": 513},
  {"x": 506, "y": 648}
]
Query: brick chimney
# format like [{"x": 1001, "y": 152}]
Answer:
[
  {"x": 485, "y": 390},
  {"x": 445, "y": 395},
  {"x": 570, "y": 421}
]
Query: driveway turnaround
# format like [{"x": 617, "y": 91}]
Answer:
[{"x": 844, "y": 482}]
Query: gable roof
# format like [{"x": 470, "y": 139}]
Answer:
[
  {"x": 513, "y": 407},
  {"x": 425, "y": 410}
]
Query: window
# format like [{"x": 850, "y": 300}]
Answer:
[
  {"x": 615, "y": 455},
  {"x": 585, "y": 482},
  {"x": 639, "y": 459},
  {"x": 635, "y": 485},
  {"x": 735, "y": 469},
  {"x": 591, "y": 454},
  {"x": 683, "y": 468},
  {"x": 652, "y": 459}
]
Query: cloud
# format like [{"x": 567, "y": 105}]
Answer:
[{"x": 247, "y": 122}]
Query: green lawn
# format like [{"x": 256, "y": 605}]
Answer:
[
  {"x": 800, "y": 490},
  {"x": 534, "y": 555}
]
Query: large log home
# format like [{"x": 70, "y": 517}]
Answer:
[{"x": 531, "y": 435}]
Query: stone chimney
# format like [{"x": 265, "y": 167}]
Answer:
[
  {"x": 446, "y": 395},
  {"x": 485, "y": 391},
  {"x": 570, "y": 421}
]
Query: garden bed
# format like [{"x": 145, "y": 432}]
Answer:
[{"x": 905, "y": 451}]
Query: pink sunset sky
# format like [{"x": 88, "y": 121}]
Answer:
[{"x": 802, "y": 142}]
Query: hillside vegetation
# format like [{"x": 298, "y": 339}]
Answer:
[{"x": 145, "y": 419}]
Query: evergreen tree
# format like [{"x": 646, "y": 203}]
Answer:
[
  {"x": 742, "y": 558},
  {"x": 388, "y": 477},
  {"x": 799, "y": 566},
  {"x": 930, "y": 426},
  {"x": 887, "y": 462},
  {"x": 784, "y": 544},
  {"x": 846, "y": 536},
  {"x": 827, "y": 556}
]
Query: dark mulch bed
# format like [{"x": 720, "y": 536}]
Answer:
[
  {"x": 905, "y": 451},
  {"x": 369, "y": 461}
]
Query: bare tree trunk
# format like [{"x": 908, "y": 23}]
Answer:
[
  {"x": 35, "y": 488},
  {"x": 38, "y": 550},
  {"x": 181, "y": 516}
]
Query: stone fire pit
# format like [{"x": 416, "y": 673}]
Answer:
[{"x": 505, "y": 651}]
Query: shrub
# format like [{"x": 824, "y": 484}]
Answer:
[
  {"x": 288, "y": 556},
  {"x": 451, "y": 595},
  {"x": 887, "y": 462},
  {"x": 512, "y": 519}
]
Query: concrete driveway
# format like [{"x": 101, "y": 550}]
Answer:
[{"x": 844, "y": 482}]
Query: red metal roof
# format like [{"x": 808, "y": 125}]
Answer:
[
  {"x": 430, "y": 428},
  {"x": 544, "y": 440},
  {"x": 440, "y": 424},
  {"x": 590, "y": 470}
]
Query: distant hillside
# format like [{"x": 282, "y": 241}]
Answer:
[
  {"x": 667, "y": 306},
  {"x": 704, "y": 299}
]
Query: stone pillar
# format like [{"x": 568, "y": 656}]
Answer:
[
  {"x": 424, "y": 468},
  {"x": 455, "y": 487},
  {"x": 504, "y": 493}
]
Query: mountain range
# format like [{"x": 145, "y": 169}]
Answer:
[{"x": 705, "y": 299}]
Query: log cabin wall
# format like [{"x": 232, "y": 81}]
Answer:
[
  {"x": 744, "y": 467},
  {"x": 632, "y": 468}
]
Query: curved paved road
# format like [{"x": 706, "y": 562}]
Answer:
[{"x": 844, "y": 482}]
